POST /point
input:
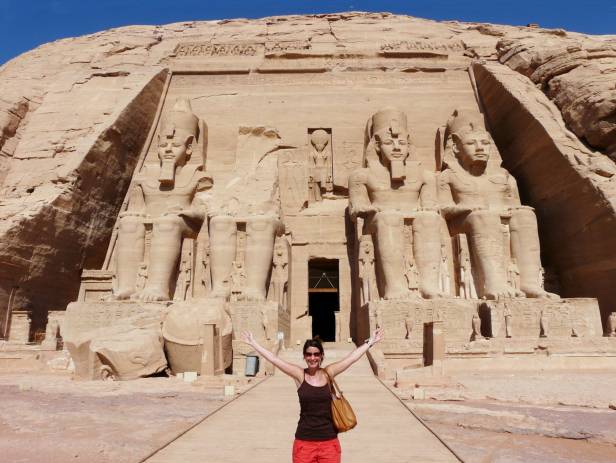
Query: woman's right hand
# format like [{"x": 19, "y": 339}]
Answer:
[{"x": 248, "y": 338}]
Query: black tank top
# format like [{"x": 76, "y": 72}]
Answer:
[{"x": 315, "y": 416}]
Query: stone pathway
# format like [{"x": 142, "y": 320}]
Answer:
[{"x": 259, "y": 426}]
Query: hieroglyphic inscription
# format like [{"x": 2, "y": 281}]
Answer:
[
  {"x": 457, "y": 315},
  {"x": 563, "y": 318},
  {"x": 422, "y": 46},
  {"x": 83, "y": 317},
  {"x": 216, "y": 49},
  {"x": 281, "y": 47}
]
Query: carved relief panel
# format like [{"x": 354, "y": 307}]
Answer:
[{"x": 320, "y": 164}]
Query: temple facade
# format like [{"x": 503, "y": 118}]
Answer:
[{"x": 299, "y": 188}]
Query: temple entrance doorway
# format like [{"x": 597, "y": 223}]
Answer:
[{"x": 323, "y": 297}]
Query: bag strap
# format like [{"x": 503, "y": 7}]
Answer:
[{"x": 333, "y": 386}]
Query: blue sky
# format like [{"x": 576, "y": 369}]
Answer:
[{"x": 24, "y": 24}]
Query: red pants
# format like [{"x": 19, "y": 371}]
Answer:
[{"x": 321, "y": 451}]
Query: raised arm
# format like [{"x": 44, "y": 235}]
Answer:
[
  {"x": 338, "y": 367},
  {"x": 294, "y": 371}
]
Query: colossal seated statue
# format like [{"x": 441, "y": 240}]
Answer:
[
  {"x": 390, "y": 194},
  {"x": 164, "y": 196},
  {"x": 478, "y": 198},
  {"x": 244, "y": 216},
  {"x": 261, "y": 230}
]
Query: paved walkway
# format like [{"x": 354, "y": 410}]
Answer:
[{"x": 259, "y": 426}]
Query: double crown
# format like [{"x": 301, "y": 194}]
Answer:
[
  {"x": 390, "y": 119},
  {"x": 180, "y": 119}
]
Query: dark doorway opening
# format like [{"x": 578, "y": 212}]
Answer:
[{"x": 323, "y": 297}]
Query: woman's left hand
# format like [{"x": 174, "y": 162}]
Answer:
[{"x": 376, "y": 336}]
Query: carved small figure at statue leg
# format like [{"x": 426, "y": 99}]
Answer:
[
  {"x": 543, "y": 324},
  {"x": 476, "y": 328},
  {"x": 408, "y": 325},
  {"x": 508, "y": 321},
  {"x": 611, "y": 325}
]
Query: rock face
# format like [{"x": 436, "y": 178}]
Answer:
[
  {"x": 285, "y": 171},
  {"x": 578, "y": 75}
]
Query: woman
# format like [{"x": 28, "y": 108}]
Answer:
[{"x": 316, "y": 438}]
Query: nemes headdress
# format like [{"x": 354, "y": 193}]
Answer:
[
  {"x": 180, "y": 119},
  {"x": 460, "y": 123},
  {"x": 391, "y": 119}
]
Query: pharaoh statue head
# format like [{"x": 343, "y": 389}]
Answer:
[
  {"x": 468, "y": 140},
  {"x": 319, "y": 139},
  {"x": 179, "y": 130},
  {"x": 387, "y": 130}
]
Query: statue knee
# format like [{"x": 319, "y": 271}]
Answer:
[
  {"x": 427, "y": 220},
  {"x": 483, "y": 219},
  {"x": 168, "y": 224},
  {"x": 130, "y": 224},
  {"x": 524, "y": 217},
  {"x": 222, "y": 223},
  {"x": 261, "y": 223},
  {"x": 386, "y": 219}
]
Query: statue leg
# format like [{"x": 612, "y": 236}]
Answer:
[
  {"x": 260, "y": 236},
  {"x": 525, "y": 249},
  {"x": 483, "y": 230},
  {"x": 165, "y": 250},
  {"x": 223, "y": 243},
  {"x": 131, "y": 238},
  {"x": 427, "y": 250},
  {"x": 389, "y": 238}
]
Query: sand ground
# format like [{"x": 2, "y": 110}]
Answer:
[
  {"x": 485, "y": 416},
  {"x": 546, "y": 416}
]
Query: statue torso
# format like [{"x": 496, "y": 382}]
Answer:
[
  {"x": 491, "y": 190},
  {"x": 160, "y": 198},
  {"x": 401, "y": 197}
]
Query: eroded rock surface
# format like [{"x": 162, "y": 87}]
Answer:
[{"x": 578, "y": 75}]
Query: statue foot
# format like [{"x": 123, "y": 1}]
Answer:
[
  {"x": 153, "y": 295},
  {"x": 538, "y": 292},
  {"x": 122, "y": 295},
  {"x": 429, "y": 293},
  {"x": 506, "y": 291},
  {"x": 397, "y": 295}
]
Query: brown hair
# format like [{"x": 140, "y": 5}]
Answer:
[{"x": 314, "y": 342}]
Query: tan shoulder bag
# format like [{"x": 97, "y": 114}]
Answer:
[{"x": 342, "y": 413}]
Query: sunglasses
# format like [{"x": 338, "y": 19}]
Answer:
[{"x": 312, "y": 354}]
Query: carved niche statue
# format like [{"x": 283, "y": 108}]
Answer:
[
  {"x": 320, "y": 159},
  {"x": 165, "y": 197},
  {"x": 390, "y": 194},
  {"x": 280, "y": 272},
  {"x": 476, "y": 198}
]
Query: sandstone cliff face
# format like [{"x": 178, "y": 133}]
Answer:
[
  {"x": 74, "y": 116},
  {"x": 578, "y": 75}
]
